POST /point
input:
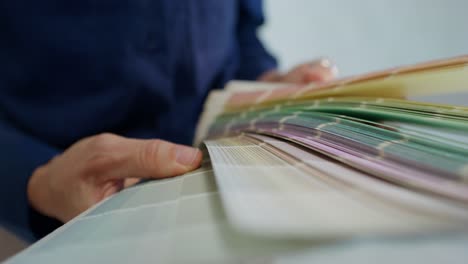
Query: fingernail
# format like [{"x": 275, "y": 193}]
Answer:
[
  {"x": 326, "y": 63},
  {"x": 186, "y": 156}
]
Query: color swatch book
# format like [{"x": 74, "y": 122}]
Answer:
[
  {"x": 351, "y": 171},
  {"x": 353, "y": 149}
]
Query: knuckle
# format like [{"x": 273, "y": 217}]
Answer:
[
  {"x": 149, "y": 154},
  {"x": 101, "y": 155}
]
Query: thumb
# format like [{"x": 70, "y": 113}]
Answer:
[{"x": 156, "y": 159}]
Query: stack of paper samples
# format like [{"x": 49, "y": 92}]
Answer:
[
  {"x": 296, "y": 161},
  {"x": 291, "y": 168}
]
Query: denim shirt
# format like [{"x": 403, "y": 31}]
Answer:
[{"x": 138, "y": 68}]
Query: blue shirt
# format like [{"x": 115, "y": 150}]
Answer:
[{"x": 138, "y": 68}]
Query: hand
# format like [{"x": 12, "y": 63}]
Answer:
[
  {"x": 316, "y": 71},
  {"x": 99, "y": 166}
]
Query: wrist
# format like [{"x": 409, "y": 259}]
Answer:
[{"x": 37, "y": 192}]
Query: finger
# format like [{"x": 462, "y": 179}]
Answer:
[
  {"x": 159, "y": 159},
  {"x": 317, "y": 74},
  {"x": 130, "y": 182},
  {"x": 316, "y": 71},
  {"x": 108, "y": 189}
]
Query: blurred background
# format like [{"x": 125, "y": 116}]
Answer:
[{"x": 365, "y": 35}]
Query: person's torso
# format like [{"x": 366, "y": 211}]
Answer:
[{"x": 140, "y": 68}]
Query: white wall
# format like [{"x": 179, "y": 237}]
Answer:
[{"x": 365, "y": 35}]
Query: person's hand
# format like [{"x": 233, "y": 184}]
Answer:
[
  {"x": 99, "y": 166},
  {"x": 316, "y": 71}
]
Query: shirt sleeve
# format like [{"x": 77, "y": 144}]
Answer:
[
  {"x": 20, "y": 154},
  {"x": 254, "y": 58}
]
